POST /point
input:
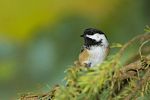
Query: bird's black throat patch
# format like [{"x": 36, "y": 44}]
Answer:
[{"x": 88, "y": 42}]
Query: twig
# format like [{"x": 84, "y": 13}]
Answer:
[
  {"x": 140, "y": 48},
  {"x": 139, "y": 85},
  {"x": 145, "y": 36}
]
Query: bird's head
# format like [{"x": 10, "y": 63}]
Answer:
[{"x": 94, "y": 37}]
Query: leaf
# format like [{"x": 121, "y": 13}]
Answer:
[
  {"x": 147, "y": 28},
  {"x": 116, "y": 45}
]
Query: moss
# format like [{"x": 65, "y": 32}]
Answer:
[{"x": 110, "y": 80}]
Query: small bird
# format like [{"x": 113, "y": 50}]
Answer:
[{"x": 95, "y": 48}]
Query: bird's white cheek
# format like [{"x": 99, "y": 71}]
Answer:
[
  {"x": 97, "y": 38},
  {"x": 94, "y": 37}
]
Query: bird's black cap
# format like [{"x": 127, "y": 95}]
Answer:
[{"x": 91, "y": 31}]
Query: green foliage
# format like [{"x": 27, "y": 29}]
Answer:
[
  {"x": 100, "y": 82},
  {"x": 147, "y": 29},
  {"x": 110, "y": 80}
]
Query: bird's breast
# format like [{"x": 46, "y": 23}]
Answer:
[{"x": 97, "y": 55}]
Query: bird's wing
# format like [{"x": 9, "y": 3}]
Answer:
[{"x": 84, "y": 57}]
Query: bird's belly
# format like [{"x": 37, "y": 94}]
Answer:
[{"x": 97, "y": 56}]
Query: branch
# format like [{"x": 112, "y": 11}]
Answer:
[{"x": 104, "y": 81}]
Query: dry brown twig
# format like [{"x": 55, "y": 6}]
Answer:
[
  {"x": 132, "y": 70},
  {"x": 139, "y": 85}
]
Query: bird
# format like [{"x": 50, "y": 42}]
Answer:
[{"x": 95, "y": 48}]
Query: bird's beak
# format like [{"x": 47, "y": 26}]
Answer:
[{"x": 82, "y": 35}]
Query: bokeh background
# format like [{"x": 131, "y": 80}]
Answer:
[{"x": 39, "y": 39}]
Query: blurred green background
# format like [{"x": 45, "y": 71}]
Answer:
[{"x": 39, "y": 39}]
